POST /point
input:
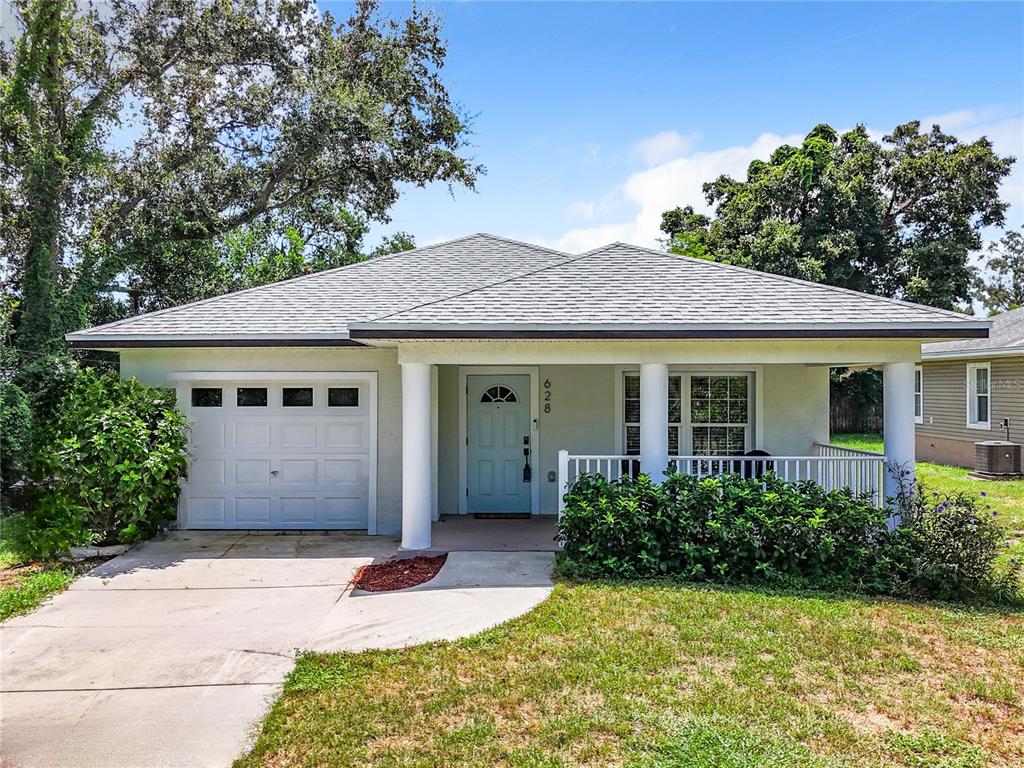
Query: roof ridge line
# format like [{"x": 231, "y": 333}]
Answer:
[
  {"x": 520, "y": 242},
  {"x": 209, "y": 300},
  {"x": 569, "y": 258},
  {"x": 799, "y": 281}
]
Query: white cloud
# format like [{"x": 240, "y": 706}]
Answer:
[
  {"x": 661, "y": 147},
  {"x": 655, "y": 190},
  {"x": 679, "y": 181},
  {"x": 582, "y": 209}
]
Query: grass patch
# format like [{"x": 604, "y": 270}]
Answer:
[
  {"x": 651, "y": 675},
  {"x": 1005, "y": 497},
  {"x": 25, "y": 586},
  {"x": 28, "y": 591}
]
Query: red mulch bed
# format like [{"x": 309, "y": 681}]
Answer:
[{"x": 397, "y": 574}]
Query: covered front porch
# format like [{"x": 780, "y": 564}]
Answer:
[{"x": 502, "y": 428}]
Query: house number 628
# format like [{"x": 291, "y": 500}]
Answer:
[{"x": 547, "y": 395}]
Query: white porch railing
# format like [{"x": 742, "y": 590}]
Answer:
[{"x": 833, "y": 467}]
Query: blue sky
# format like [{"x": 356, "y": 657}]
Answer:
[{"x": 592, "y": 118}]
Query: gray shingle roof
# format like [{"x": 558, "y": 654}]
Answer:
[
  {"x": 484, "y": 283},
  {"x": 623, "y": 286},
  {"x": 1006, "y": 337},
  {"x": 323, "y": 304}
]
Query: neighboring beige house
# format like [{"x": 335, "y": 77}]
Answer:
[
  {"x": 966, "y": 388},
  {"x": 482, "y": 375}
]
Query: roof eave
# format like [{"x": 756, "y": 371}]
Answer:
[
  {"x": 974, "y": 352},
  {"x": 187, "y": 342},
  {"x": 392, "y": 331}
]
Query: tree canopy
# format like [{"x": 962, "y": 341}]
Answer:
[
  {"x": 153, "y": 149},
  {"x": 1002, "y": 289},
  {"x": 897, "y": 217}
]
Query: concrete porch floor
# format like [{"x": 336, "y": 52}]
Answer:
[{"x": 465, "y": 533}]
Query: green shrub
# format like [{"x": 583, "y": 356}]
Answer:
[
  {"x": 721, "y": 528},
  {"x": 109, "y": 471},
  {"x": 730, "y": 529},
  {"x": 15, "y": 435},
  {"x": 947, "y": 546}
]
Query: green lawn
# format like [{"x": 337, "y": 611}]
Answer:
[
  {"x": 653, "y": 676},
  {"x": 666, "y": 675}
]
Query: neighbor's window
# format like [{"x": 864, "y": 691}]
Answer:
[
  {"x": 979, "y": 398},
  {"x": 297, "y": 397},
  {"x": 719, "y": 414},
  {"x": 918, "y": 395},
  {"x": 206, "y": 397},
  {"x": 251, "y": 397},
  {"x": 342, "y": 397}
]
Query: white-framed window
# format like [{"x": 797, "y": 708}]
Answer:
[
  {"x": 631, "y": 413},
  {"x": 918, "y": 394},
  {"x": 979, "y": 395},
  {"x": 709, "y": 414},
  {"x": 719, "y": 414}
]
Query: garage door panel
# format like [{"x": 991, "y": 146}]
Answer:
[
  {"x": 254, "y": 511},
  {"x": 298, "y": 509},
  {"x": 208, "y": 472},
  {"x": 345, "y": 471},
  {"x": 208, "y": 435},
  {"x": 298, "y": 471},
  {"x": 206, "y": 510},
  {"x": 252, "y": 435},
  {"x": 298, "y": 435},
  {"x": 344, "y": 510},
  {"x": 252, "y": 471},
  {"x": 273, "y": 466},
  {"x": 347, "y": 436}
]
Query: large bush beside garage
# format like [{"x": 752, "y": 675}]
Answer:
[
  {"x": 732, "y": 529},
  {"x": 106, "y": 470}
]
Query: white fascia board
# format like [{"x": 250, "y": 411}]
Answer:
[{"x": 967, "y": 354}]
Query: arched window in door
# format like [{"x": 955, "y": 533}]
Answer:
[{"x": 499, "y": 394}]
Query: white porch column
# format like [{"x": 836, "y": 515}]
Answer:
[
  {"x": 898, "y": 422},
  {"x": 654, "y": 419},
  {"x": 417, "y": 485}
]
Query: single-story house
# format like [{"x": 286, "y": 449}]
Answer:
[
  {"x": 481, "y": 375},
  {"x": 966, "y": 388}
]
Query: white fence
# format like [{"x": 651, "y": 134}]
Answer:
[{"x": 833, "y": 467}]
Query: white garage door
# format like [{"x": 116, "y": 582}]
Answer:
[{"x": 281, "y": 453}]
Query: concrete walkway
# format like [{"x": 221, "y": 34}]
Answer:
[{"x": 171, "y": 654}]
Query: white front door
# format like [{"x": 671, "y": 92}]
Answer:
[
  {"x": 498, "y": 433},
  {"x": 276, "y": 454}
]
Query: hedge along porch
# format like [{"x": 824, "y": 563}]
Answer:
[
  {"x": 586, "y": 399},
  {"x": 379, "y": 395}
]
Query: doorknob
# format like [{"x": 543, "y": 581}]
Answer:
[{"x": 274, "y": 473}]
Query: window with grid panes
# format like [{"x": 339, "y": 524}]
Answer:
[{"x": 631, "y": 413}]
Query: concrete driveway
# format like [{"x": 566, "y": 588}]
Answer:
[{"x": 171, "y": 654}]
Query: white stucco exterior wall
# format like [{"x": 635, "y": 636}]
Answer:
[{"x": 795, "y": 402}]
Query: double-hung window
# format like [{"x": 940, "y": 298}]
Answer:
[
  {"x": 979, "y": 395},
  {"x": 631, "y": 413},
  {"x": 708, "y": 414},
  {"x": 918, "y": 395}
]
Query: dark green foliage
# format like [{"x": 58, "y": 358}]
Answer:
[
  {"x": 730, "y": 529},
  {"x": 15, "y": 436},
  {"x": 1003, "y": 290},
  {"x": 722, "y": 529},
  {"x": 109, "y": 470},
  {"x": 137, "y": 138},
  {"x": 946, "y": 547},
  {"x": 895, "y": 218}
]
